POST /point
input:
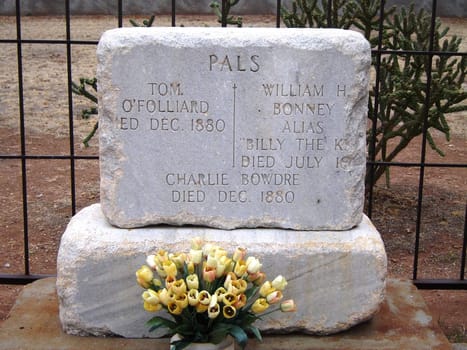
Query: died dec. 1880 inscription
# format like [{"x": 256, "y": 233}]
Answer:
[{"x": 233, "y": 127}]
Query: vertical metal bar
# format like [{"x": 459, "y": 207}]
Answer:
[
  {"x": 173, "y": 13},
  {"x": 70, "y": 107},
  {"x": 329, "y": 13},
  {"x": 464, "y": 247},
  {"x": 278, "y": 14},
  {"x": 224, "y": 15},
  {"x": 120, "y": 13},
  {"x": 424, "y": 139},
  {"x": 24, "y": 182},
  {"x": 372, "y": 148}
]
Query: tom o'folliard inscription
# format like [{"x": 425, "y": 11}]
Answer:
[{"x": 233, "y": 128}]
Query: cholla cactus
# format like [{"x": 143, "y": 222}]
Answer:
[{"x": 403, "y": 77}]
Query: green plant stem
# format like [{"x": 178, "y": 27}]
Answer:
[{"x": 270, "y": 312}]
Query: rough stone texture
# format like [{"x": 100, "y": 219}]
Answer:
[
  {"x": 454, "y": 8},
  {"x": 259, "y": 127},
  {"x": 337, "y": 278},
  {"x": 33, "y": 324}
]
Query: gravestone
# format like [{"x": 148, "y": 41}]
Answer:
[
  {"x": 265, "y": 129},
  {"x": 250, "y": 137}
]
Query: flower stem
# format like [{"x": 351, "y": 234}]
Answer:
[{"x": 270, "y": 312}]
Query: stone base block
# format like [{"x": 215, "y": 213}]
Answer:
[{"x": 337, "y": 278}]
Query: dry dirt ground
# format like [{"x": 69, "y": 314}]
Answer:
[{"x": 48, "y": 181}]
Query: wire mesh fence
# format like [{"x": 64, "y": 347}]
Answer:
[{"x": 48, "y": 175}]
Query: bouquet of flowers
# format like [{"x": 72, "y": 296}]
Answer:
[{"x": 208, "y": 294}]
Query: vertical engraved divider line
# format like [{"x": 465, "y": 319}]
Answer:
[{"x": 233, "y": 124}]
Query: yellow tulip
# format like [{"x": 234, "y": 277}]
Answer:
[
  {"x": 228, "y": 279},
  {"x": 200, "y": 308},
  {"x": 239, "y": 254},
  {"x": 213, "y": 311},
  {"x": 172, "y": 294},
  {"x": 211, "y": 262},
  {"x": 288, "y": 306},
  {"x": 260, "y": 305},
  {"x": 174, "y": 308},
  {"x": 178, "y": 259},
  {"x": 161, "y": 256},
  {"x": 223, "y": 265},
  {"x": 241, "y": 301},
  {"x": 151, "y": 261},
  {"x": 193, "y": 297},
  {"x": 170, "y": 268},
  {"x": 157, "y": 282},
  {"x": 150, "y": 296},
  {"x": 243, "y": 285},
  {"x": 240, "y": 268},
  {"x": 229, "y": 267},
  {"x": 220, "y": 252},
  {"x": 197, "y": 243},
  {"x": 238, "y": 287},
  {"x": 182, "y": 300},
  {"x": 192, "y": 281},
  {"x": 161, "y": 272},
  {"x": 196, "y": 256},
  {"x": 158, "y": 260},
  {"x": 274, "y": 297},
  {"x": 164, "y": 296},
  {"x": 266, "y": 289},
  {"x": 253, "y": 265},
  {"x": 259, "y": 279},
  {"x": 151, "y": 307},
  {"x": 220, "y": 293},
  {"x": 190, "y": 267},
  {"x": 209, "y": 249},
  {"x": 229, "y": 298},
  {"x": 144, "y": 276},
  {"x": 279, "y": 283},
  {"x": 204, "y": 297},
  {"x": 169, "y": 281},
  {"x": 229, "y": 311},
  {"x": 179, "y": 287},
  {"x": 213, "y": 300}
]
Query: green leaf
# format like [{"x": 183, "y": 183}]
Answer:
[
  {"x": 239, "y": 334},
  {"x": 255, "y": 332},
  {"x": 157, "y": 322},
  {"x": 219, "y": 332}
]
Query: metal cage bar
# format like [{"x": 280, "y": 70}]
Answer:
[{"x": 24, "y": 180}]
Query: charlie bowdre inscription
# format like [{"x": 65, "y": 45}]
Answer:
[{"x": 233, "y": 127}]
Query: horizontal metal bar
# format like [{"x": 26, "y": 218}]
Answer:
[
  {"x": 397, "y": 164},
  {"x": 447, "y": 284},
  {"x": 95, "y": 42},
  {"x": 48, "y": 41},
  {"x": 418, "y": 53},
  {"x": 413, "y": 164},
  {"x": 66, "y": 157},
  {"x": 21, "y": 279}
]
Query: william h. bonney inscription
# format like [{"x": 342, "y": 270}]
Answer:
[{"x": 233, "y": 127}]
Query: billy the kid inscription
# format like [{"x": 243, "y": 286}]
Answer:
[{"x": 233, "y": 128}]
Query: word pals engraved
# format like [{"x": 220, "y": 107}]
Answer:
[{"x": 236, "y": 63}]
